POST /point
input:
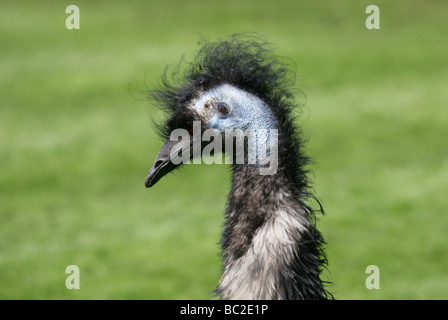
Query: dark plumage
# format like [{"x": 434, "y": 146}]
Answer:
[{"x": 271, "y": 247}]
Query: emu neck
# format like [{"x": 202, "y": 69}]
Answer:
[{"x": 271, "y": 249}]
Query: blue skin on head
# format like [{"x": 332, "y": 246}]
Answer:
[
  {"x": 243, "y": 111},
  {"x": 246, "y": 110}
]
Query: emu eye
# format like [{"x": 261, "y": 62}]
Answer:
[{"x": 223, "y": 108}]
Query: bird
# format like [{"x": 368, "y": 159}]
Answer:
[{"x": 271, "y": 247}]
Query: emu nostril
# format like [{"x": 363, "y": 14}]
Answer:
[
  {"x": 223, "y": 108},
  {"x": 158, "y": 164}
]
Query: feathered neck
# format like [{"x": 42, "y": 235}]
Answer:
[{"x": 271, "y": 247}]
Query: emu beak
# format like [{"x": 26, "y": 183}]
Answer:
[{"x": 162, "y": 165}]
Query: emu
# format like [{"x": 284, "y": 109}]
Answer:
[{"x": 271, "y": 248}]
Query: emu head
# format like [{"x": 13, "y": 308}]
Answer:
[
  {"x": 222, "y": 109},
  {"x": 232, "y": 84}
]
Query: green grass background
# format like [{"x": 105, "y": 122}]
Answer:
[{"x": 76, "y": 143}]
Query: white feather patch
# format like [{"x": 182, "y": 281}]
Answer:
[{"x": 255, "y": 274}]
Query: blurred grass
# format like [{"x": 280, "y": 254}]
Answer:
[{"x": 76, "y": 143}]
